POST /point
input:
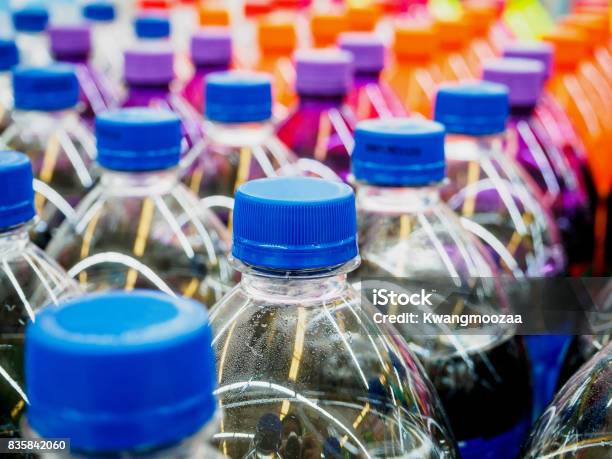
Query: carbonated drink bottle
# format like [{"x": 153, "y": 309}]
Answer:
[
  {"x": 413, "y": 74},
  {"x": 320, "y": 126},
  {"x": 211, "y": 51},
  {"x": 499, "y": 203},
  {"x": 46, "y": 126},
  {"x": 71, "y": 44},
  {"x": 149, "y": 77},
  {"x": 529, "y": 144},
  {"x": 150, "y": 373},
  {"x": 297, "y": 347},
  {"x": 140, "y": 227},
  {"x": 110, "y": 36},
  {"x": 9, "y": 58},
  {"x": 410, "y": 236},
  {"x": 29, "y": 281},
  {"x": 277, "y": 39},
  {"x": 30, "y": 24},
  {"x": 240, "y": 141},
  {"x": 496, "y": 198},
  {"x": 577, "y": 423},
  {"x": 370, "y": 97}
]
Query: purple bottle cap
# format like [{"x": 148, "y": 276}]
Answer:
[
  {"x": 70, "y": 40},
  {"x": 149, "y": 66},
  {"x": 536, "y": 50},
  {"x": 211, "y": 46},
  {"x": 323, "y": 72},
  {"x": 367, "y": 49},
  {"x": 523, "y": 77}
]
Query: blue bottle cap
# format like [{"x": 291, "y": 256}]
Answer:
[
  {"x": 309, "y": 223},
  {"x": 17, "y": 192},
  {"x": 152, "y": 27},
  {"x": 399, "y": 152},
  {"x": 54, "y": 87},
  {"x": 99, "y": 11},
  {"x": 473, "y": 108},
  {"x": 120, "y": 371},
  {"x": 238, "y": 97},
  {"x": 9, "y": 54},
  {"x": 30, "y": 19},
  {"x": 138, "y": 139}
]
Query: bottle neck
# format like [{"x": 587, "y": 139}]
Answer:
[
  {"x": 240, "y": 134},
  {"x": 365, "y": 78},
  {"x": 137, "y": 183},
  {"x": 397, "y": 200},
  {"x": 205, "y": 69},
  {"x": 15, "y": 236},
  {"x": 304, "y": 286},
  {"x": 147, "y": 91},
  {"x": 471, "y": 147},
  {"x": 321, "y": 101},
  {"x": 72, "y": 58}
]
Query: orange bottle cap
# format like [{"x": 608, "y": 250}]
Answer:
[
  {"x": 571, "y": 46},
  {"x": 325, "y": 28},
  {"x": 214, "y": 16},
  {"x": 595, "y": 26},
  {"x": 480, "y": 16},
  {"x": 415, "y": 41},
  {"x": 453, "y": 34},
  {"x": 278, "y": 37},
  {"x": 363, "y": 18}
]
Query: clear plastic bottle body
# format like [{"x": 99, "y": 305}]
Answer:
[
  {"x": 561, "y": 185},
  {"x": 62, "y": 151},
  {"x": 233, "y": 154},
  {"x": 577, "y": 424},
  {"x": 33, "y": 48},
  {"x": 110, "y": 39},
  {"x": 321, "y": 128},
  {"x": 145, "y": 230},
  {"x": 161, "y": 96},
  {"x": 410, "y": 234},
  {"x": 500, "y": 204},
  {"x": 303, "y": 347},
  {"x": 29, "y": 281}
]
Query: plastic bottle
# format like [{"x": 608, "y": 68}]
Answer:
[
  {"x": 528, "y": 142},
  {"x": 277, "y": 40},
  {"x": 480, "y": 17},
  {"x": 150, "y": 375},
  {"x": 29, "y": 281},
  {"x": 454, "y": 38},
  {"x": 408, "y": 233},
  {"x": 413, "y": 74},
  {"x": 320, "y": 126},
  {"x": 325, "y": 27},
  {"x": 71, "y": 44},
  {"x": 211, "y": 51},
  {"x": 150, "y": 79},
  {"x": 370, "y": 97},
  {"x": 295, "y": 341},
  {"x": 30, "y": 24},
  {"x": 577, "y": 423},
  {"x": 140, "y": 227},
  {"x": 495, "y": 196},
  {"x": 110, "y": 36},
  {"x": 46, "y": 126},
  {"x": 240, "y": 141},
  {"x": 9, "y": 58}
]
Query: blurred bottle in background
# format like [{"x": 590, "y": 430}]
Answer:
[
  {"x": 325, "y": 27},
  {"x": 211, "y": 51},
  {"x": 454, "y": 38},
  {"x": 47, "y": 127},
  {"x": 140, "y": 227},
  {"x": 158, "y": 356},
  {"x": 29, "y": 282},
  {"x": 320, "y": 126},
  {"x": 30, "y": 24},
  {"x": 9, "y": 58},
  {"x": 370, "y": 96}
]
